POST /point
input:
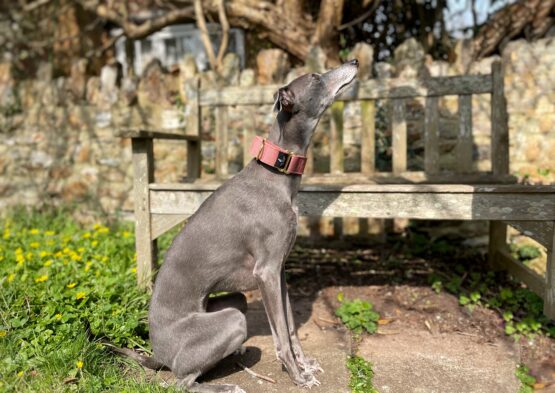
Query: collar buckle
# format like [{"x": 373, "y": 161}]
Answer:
[{"x": 283, "y": 160}]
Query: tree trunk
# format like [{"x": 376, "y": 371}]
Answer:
[{"x": 326, "y": 34}]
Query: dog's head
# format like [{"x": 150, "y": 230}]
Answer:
[{"x": 309, "y": 95}]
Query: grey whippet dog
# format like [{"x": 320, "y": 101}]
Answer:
[{"x": 238, "y": 240}]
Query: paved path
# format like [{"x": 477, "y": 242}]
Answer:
[{"x": 409, "y": 356}]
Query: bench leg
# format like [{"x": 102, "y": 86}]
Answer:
[
  {"x": 143, "y": 175},
  {"x": 497, "y": 242},
  {"x": 549, "y": 298},
  {"x": 194, "y": 160}
]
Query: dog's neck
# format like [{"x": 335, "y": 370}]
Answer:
[{"x": 292, "y": 132}]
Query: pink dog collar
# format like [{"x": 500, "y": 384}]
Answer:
[{"x": 273, "y": 155}]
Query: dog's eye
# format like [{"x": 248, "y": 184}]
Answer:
[{"x": 315, "y": 76}]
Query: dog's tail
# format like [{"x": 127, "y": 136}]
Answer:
[{"x": 145, "y": 361}]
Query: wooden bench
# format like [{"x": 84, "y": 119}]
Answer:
[{"x": 429, "y": 194}]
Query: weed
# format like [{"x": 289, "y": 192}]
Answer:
[
  {"x": 361, "y": 375},
  {"x": 358, "y": 315},
  {"x": 527, "y": 381},
  {"x": 525, "y": 252},
  {"x": 521, "y": 308}
]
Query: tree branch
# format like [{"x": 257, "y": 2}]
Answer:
[
  {"x": 225, "y": 33},
  {"x": 204, "y": 35}
]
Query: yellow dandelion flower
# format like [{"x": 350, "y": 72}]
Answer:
[
  {"x": 42, "y": 278},
  {"x": 96, "y": 226},
  {"x": 20, "y": 374},
  {"x": 34, "y": 231},
  {"x": 20, "y": 259},
  {"x": 49, "y": 233},
  {"x": 134, "y": 270},
  {"x": 58, "y": 316},
  {"x": 35, "y": 245},
  {"x": 80, "y": 295},
  {"x": 71, "y": 285},
  {"x": 79, "y": 364},
  {"x": 104, "y": 259},
  {"x": 94, "y": 243},
  {"x": 3, "y": 333},
  {"x": 29, "y": 255},
  {"x": 11, "y": 277},
  {"x": 18, "y": 251},
  {"x": 6, "y": 234},
  {"x": 66, "y": 250},
  {"x": 75, "y": 257},
  {"x": 88, "y": 266},
  {"x": 86, "y": 235},
  {"x": 43, "y": 254},
  {"x": 103, "y": 230},
  {"x": 59, "y": 254},
  {"x": 48, "y": 263},
  {"x": 126, "y": 234}
]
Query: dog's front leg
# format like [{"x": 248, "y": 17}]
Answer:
[
  {"x": 307, "y": 364},
  {"x": 268, "y": 277}
]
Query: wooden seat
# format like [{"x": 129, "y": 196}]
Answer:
[{"x": 430, "y": 194}]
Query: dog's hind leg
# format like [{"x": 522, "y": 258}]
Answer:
[{"x": 202, "y": 340}]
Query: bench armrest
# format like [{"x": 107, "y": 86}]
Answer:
[{"x": 153, "y": 134}]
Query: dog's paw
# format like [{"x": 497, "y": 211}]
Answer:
[
  {"x": 240, "y": 351},
  {"x": 311, "y": 366},
  {"x": 309, "y": 381}
]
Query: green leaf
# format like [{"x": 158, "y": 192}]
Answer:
[{"x": 463, "y": 300}]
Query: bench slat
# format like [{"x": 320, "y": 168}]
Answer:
[
  {"x": 399, "y": 136},
  {"x": 382, "y": 188},
  {"x": 422, "y": 202},
  {"x": 463, "y": 151},
  {"x": 368, "y": 137},
  {"x": 221, "y": 142},
  {"x": 336, "y": 138},
  {"x": 431, "y": 147},
  {"x": 372, "y": 89},
  {"x": 499, "y": 123}
]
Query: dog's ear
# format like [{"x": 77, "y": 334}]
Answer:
[{"x": 283, "y": 100}]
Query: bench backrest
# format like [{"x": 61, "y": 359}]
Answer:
[{"x": 396, "y": 92}]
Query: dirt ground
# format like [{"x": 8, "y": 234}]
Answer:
[{"x": 426, "y": 343}]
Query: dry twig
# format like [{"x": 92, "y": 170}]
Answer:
[{"x": 254, "y": 374}]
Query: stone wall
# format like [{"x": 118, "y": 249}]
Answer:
[{"x": 58, "y": 143}]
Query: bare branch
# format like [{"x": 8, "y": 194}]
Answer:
[
  {"x": 32, "y": 6},
  {"x": 361, "y": 18},
  {"x": 204, "y": 36},
  {"x": 225, "y": 33},
  {"x": 133, "y": 30}
]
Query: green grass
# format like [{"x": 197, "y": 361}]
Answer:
[
  {"x": 361, "y": 375},
  {"x": 64, "y": 286}
]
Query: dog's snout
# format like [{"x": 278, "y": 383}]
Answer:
[{"x": 354, "y": 62}]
